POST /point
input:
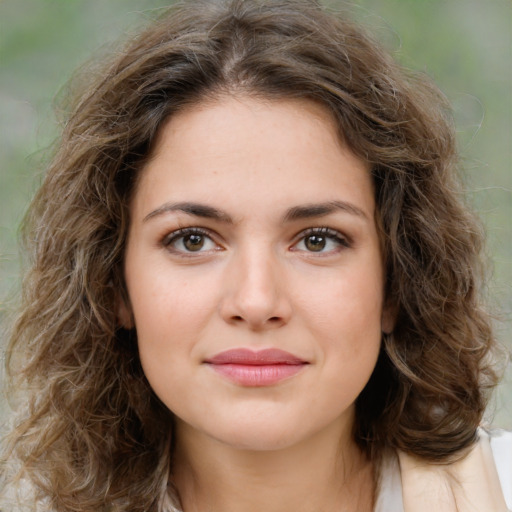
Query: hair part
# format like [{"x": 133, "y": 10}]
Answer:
[{"x": 94, "y": 435}]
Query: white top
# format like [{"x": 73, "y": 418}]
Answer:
[{"x": 501, "y": 445}]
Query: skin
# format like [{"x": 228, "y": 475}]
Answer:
[{"x": 254, "y": 277}]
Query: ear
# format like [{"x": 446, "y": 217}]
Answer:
[
  {"x": 389, "y": 315},
  {"x": 124, "y": 313}
]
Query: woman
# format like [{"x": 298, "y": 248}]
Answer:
[{"x": 254, "y": 285}]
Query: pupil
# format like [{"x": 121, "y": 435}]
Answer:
[
  {"x": 193, "y": 242},
  {"x": 315, "y": 242}
]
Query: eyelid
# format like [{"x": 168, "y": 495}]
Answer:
[
  {"x": 344, "y": 240},
  {"x": 174, "y": 235},
  {"x": 169, "y": 237}
]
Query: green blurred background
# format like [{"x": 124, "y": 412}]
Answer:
[{"x": 465, "y": 45}]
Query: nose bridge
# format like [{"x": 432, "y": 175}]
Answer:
[
  {"x": 257, "y": 273},
  {"x": 256, "y": 292}
]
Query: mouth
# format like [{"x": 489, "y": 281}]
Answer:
[{"x": 249, "y": 368}]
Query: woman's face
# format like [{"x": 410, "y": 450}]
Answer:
[{"x": 254, "y": 273}]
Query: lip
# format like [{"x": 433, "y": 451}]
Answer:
[{"x": 256, "y": 368}]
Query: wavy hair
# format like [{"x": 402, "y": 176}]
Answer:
[{"x": 93, "y": 435}]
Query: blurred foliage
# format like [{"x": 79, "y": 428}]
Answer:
[{"x": 465, "y": 45}]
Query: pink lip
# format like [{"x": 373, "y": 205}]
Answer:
[{"x": 256, "y": 369}]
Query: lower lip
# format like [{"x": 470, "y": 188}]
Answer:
[{"x": 257, "y": 375}]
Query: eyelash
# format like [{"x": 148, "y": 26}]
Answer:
[
  {"x": 325, "y": 232},
  {"x": 173, "y": 237}
]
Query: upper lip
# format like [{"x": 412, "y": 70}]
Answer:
[{"x": 244, "y": 356}]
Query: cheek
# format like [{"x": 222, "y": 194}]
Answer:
[
  {"x": 345, "y": 317},
  {"x": 166, "y": 325},
  {"x": 349, "y": 302},
  {"x": 162, "y": 297},
  {"x": 171, "y": 310}
]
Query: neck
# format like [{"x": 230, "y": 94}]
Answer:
[{"x": 309, "y": 477}]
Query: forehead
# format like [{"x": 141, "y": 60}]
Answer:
[
  {"x": 264, "y": 151},
  {"x": 229, "y": 113}
]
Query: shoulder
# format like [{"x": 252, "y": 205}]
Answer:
[
  {"x": 501, "y": 447},
  {"x": 482, "y": 480},
  {"x": 468, "y": 485}
]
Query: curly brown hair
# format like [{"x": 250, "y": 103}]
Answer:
[{"x": 94, "y": 436}]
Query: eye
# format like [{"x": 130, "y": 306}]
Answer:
[
  {"x": 321, "y": 240},
  {"x": 190, "y": 240}
]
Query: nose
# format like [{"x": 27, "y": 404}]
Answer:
[{"x": 255, "y": 292}]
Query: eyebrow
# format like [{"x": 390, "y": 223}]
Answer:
[
  {"x": 295, "y": 213},
  {"x": 308, "y": 211},
  {"x": 196, "y": 209}
]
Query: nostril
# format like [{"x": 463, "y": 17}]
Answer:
[{"x": 272, "y": 320}]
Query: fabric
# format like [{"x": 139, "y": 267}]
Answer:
[{"x": 481, "y": 482}]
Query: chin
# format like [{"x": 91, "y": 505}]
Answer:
[
  {"x": 259, "y": 440},
  {"x": 263, "y": 433}
]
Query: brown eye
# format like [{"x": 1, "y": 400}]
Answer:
[
  {"x": 315, "y": 243},
  {"x": 322, "y": 241},
  {"x": 189, "y": 240},
  {"x": 194, "y": 242}
]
